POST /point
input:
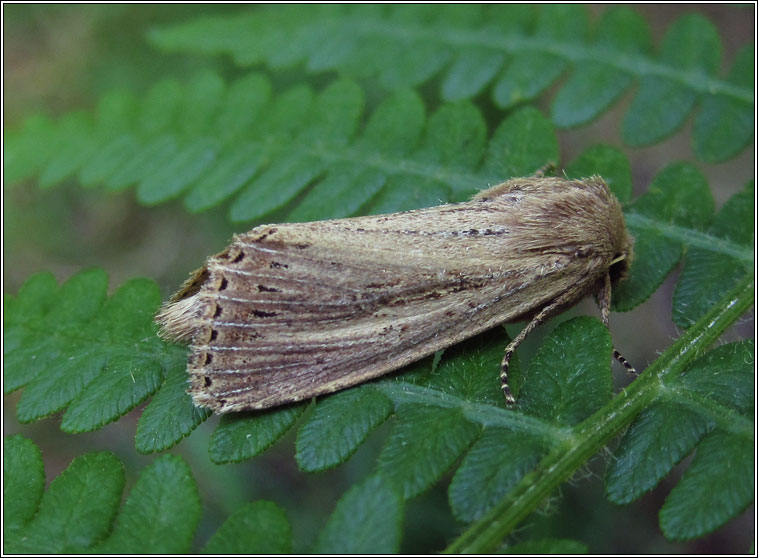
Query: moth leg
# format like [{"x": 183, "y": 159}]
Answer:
[
  {"x": 536, "y": 320},
  {"x": 604, "y": 301}
]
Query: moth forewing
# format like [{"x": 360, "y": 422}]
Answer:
[{"x": 291, "y": 311}]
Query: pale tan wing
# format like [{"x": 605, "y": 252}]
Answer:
[{"x": 296, "y": 310}]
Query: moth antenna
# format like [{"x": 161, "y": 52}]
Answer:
[
  {"x": 604, "y": 300},
  {"x": 630, "y": 370}
]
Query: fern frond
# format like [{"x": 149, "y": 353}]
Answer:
[
  {"x": 714, "y": 509},
  {"x": 517, "y": 50},
  {"x": 81, "y": 510},
  {"x": 72, "y": 348},
  {"x": 279, "y": 148}
]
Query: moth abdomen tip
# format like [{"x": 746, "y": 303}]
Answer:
[{"x": 178, "y": 320}]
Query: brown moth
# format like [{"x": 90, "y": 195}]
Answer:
[{"x": 291, "y": 311}]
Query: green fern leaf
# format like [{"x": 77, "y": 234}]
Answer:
[
  {"x": 692, "y": 47},
  {"x": 495, "y": 463},
  {"x": 34, "y": 300},
  {"x": 708, "y": 274},
  {"x": 161, "y": 513},
  {"x": 81, "y": 511},
  {"x": 23, "y": 482},
  {"x": 23, "y": 152},
  {"x": 472, "y": 70},
  {"x": 724, "y": 126},
  {"x": 301, "y": 142},
  {"x": 454, "y": 374},
  {"x": 661, "y": 437},
  {"x": 594, "y": 86},
  {"x": 76, "y": 513},
  {"x": 521, "y": 145},
  {"x": 244, "y": 435},
  {"x": 569, "y": 379},
  {"x": 71, "y": 348},
  {"x": 201, "y": 103},
  {"x": 231, "y": 171},
  {"x": 108, "y": 159},
  {"x": 536, "y": 65},
  {"x": 716, "y": 392},
  {"x": 724, "y": 375},
  {"x": 75, "y": 142},
  {"x": 71, "y": 516},
  {"x": 368, "y": 519},
  {"x": 178, "y": 171},
  {"x": 677, "y": 204},
  {"x": 160, "y": 107},
  {"x": 116, "y": 115},
  {"x": 424, "y": 443},
  {"x": 144, "y": 160},
  {"x": 608, "y": 162},
  {"x": 338, "y": 425},
  {"x": 98, "y": 357},
  {"x": 709, "y": 494},
  {"x": 256, "y": 528},
  {"x": 578, "y": 379},
  {"x": 171, "y": 415},
  {"x": 455, "y": 137}
]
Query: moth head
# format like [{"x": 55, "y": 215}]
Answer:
[
  {"x": 622, "y": 258},
  {"x": 620, "y": 239}
]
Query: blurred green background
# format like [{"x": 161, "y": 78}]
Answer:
[{"x": 62, "y": 57}]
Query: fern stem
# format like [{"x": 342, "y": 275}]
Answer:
[{"x": 591, "y": 435}]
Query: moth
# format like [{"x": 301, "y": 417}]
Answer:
[{"x": 291, "y": 311}]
